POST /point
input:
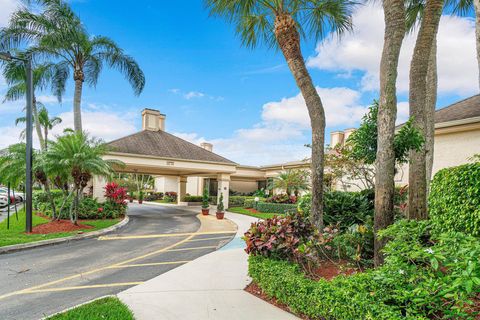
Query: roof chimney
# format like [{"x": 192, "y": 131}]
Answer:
[
  {"x": 207, "y": 146},
  {"x": 336, "y": 137},
  {"x": 347, "y": 133},
  {"x": 153, "y": 120}
]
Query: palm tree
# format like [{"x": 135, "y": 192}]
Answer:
[
  {"x": 291, "y": 181},
  {"x": 12, "y": 165},
  {"x": 422, "y": 100},
  {"x": 44, "y": 121},
  {"x": 394, "y": 12},
  {"x": 44, "y": 76},
  {"x": 81, "y": 157},
  {"x": 282, "y": 24},
  {"x": 58, "y": 33}
]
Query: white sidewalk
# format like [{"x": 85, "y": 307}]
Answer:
[{"x": 210, "y": 287}]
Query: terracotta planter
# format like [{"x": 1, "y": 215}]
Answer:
[
  {"x": 131, "y": 200},
  {"x": 220, "y": 215},
  {"x": 140, "y": 201},
  {"x": 205, "y": 211}
]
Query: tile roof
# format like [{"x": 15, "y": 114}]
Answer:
[{"x": 165, "y": 145}]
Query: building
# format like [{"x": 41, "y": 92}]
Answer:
[{"x": 183, "y": 167}]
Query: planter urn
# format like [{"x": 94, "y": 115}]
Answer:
[
  {"x": 220, "y": 215},
  {"x": 205, "y": 211},
  {"x": 140, "y": 201}
]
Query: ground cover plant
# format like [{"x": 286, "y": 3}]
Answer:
[
  {"x": 109, "y": 308},
  {"x": 253, "y": 213}
]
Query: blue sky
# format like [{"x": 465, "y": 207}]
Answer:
[{"x": 243, "y": 101}]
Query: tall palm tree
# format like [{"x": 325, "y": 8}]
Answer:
[
  {"x": 45, "y": 123},
  {"x": 81, "y": 157},
  {"x": 394, "y": 12},
  {"x": 44, "y": 76},
  {"x": 282, "y": 24},
  {"x": 422, "y": 101},
  {"x": 58, "y": 33}
]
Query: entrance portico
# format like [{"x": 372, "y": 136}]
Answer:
[{"x": 171, "y": 160}]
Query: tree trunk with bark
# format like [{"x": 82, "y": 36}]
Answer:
[
  {"x": 288, "y": 39},
  {"x": 78, "y": 77},
  {"x": 476, "y": 5},
  {"x": 417, "y": 173},
  {"x": 394, "y": 11},
  {"x": 432, "y": 81}
]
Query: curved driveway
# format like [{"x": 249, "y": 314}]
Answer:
[{"x": 39, "y": 282}]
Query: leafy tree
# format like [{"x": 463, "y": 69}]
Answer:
[
  {"x": 283, "y": 24},
  {"x": 81, "y": 157},
  {"x": 362, "y": 143},
  {"x": 57, "y": 33}
]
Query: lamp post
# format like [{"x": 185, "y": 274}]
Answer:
[{"x": 29, "y": 147}]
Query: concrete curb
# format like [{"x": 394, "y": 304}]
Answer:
[{"x": 42, "y": 243}]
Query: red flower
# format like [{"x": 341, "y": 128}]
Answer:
[{"x": 100, "y": 210}]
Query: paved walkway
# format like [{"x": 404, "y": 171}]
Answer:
[{"x": 210, "y": 287}]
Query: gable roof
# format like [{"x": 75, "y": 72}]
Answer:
[
  {"x": 165, "y": 145},
  {"x": 464, "y": 109}
]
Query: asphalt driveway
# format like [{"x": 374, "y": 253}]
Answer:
[{"x": 39, "y": 282}]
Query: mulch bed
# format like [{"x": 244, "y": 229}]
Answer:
[
  {"x": 58, "y": 226},
  {"x": 253, "y": 210}
]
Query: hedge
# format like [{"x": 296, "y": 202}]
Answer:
[
  {"x": 454, "y": 201},
  {"x": 192, "y": 199},
  {"x": 360, "y": 296},
  {"x": 275, "y": 207}
]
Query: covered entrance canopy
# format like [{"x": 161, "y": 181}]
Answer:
[{"x": 168, "y": 158}]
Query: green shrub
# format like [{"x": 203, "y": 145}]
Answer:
[
  {"x": 192, "y": 199},
  {"x": 360, "y": 296},
  {"x": 237, "y": 201},
  {"x": 275, "y": 207},
  {"x": 153, "y": 196},
  {"x": 249, "y": 203},
  {"x": 426, "y": 275},
  {"x": 454, "y": 201}
]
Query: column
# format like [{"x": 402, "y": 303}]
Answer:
[
  {"x": 98, "y": 184},
  {"x": 224, "y": 188},
  {"x": 182, "y": 188}
]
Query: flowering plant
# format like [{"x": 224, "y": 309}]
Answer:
[{"x": 115, "y": 194}]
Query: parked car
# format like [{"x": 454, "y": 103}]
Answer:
[
  {"x": 3, "y": 202},
  {"x": 19, "y": 197}
]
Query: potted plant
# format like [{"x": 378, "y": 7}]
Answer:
[
  {"x": 220, "y": 208},
  {"x": 141, "y": 194},
  {"x": 205, "y": 202},
  {"x": 131, "y": 195}
]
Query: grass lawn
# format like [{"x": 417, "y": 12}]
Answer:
[
  {"x": 261, "y": 215},
  {"x": 109, "y": 308},
  {"x": 16, "y": 234}
]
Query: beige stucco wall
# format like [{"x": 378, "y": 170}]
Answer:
[
  {"x": 451, "y": 149},
  {"x": 194, "y": 186}
]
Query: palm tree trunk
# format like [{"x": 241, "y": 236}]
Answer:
[
  {"x": 38, "y": 128},
  {"x": 476, "y": 5},
  {"x": 417, "y": 173},
  {"x": 289, "y": 42},
  {"x": 77, "y": 101},
  {"x": 394, "y": 11},
  {"x": 432, "y": 80}
]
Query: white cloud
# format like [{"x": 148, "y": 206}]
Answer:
[
  {"x": 342, "y": 108},
  {"x": 7, "y": 8},
  {"x": 193, "y": 94},
  {"x": 361, "y": 51},
  {"x": 105, "y": 125}
]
